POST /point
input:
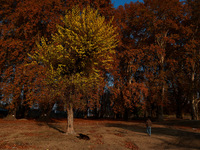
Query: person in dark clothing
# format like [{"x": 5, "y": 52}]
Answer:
[{"x": 148, "y": 125}]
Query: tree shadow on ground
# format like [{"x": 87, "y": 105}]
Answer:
[
  {"x": 183, "y": 123},
  {"x": 51, "y": 124},
  {"x": 184, "y": 139},
  {"x": 56, "y": 127}
]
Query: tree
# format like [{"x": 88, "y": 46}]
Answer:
[
  {"x": 21, "y": 24},
  {"x": 192, "y": 53},
  {"x": 162, "y": 26},
  {"x": 129, "y": 89},
  {"x": 75, "y": 55}
]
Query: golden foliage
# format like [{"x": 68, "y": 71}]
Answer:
[{"x": 79, "y": 49}]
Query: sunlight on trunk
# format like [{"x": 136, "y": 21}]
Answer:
[{"x": 70, "y": 120}]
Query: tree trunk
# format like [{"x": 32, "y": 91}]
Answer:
[
  {"x": 192, "y": 110},
  {"x": 126, "y": 114},
  {"x": 70, "y": 119},
  {"x": 194, "y": 107},
  {"x": 179, "y": 102},
  {"x": 162, "y": 43},
  {"x": 86, "y": 113},
  {"x": 195, "y": 112},
  {"x": 160, "y": 106},
  {"x": 14, "y": 112},
  {"x": 179, "y": 114},
  {"x": 197, "y": 108},
  {"x": 160, "y": 113}
]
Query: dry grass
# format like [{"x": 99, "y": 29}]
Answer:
[{"x": 104, "y": 135}]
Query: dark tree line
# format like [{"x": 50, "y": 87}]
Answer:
[{"x": 155, "y": 70}]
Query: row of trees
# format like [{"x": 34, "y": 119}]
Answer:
[
  {"x": 22, "y": 24},
  {"x": 158, "y": 56},
  {"x": 153, "y": 70}
]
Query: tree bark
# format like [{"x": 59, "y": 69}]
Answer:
[
  {"x": 195, "y": 108},
  {"x": 160, "y": 115},
  {"x": 162, "y": 43},
  {"x": 126, "y": 114},
  {"x": 160, "y": 106},
  {"x": 194, "y": 105},
  {"x": 70, "y": 119},
  {"x": 179, "y": 114}
]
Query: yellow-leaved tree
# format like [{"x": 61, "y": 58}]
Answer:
[{"x": 75, "y": 54}]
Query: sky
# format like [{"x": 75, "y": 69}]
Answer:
[{"x": 122, "y": 2}]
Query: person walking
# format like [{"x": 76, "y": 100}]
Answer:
[{"x": 148, "y": 125}]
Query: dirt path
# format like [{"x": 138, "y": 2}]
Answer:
[{"x": 104, "y": 135}]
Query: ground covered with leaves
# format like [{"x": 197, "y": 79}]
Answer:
[{"x": 103, "y": 134}]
